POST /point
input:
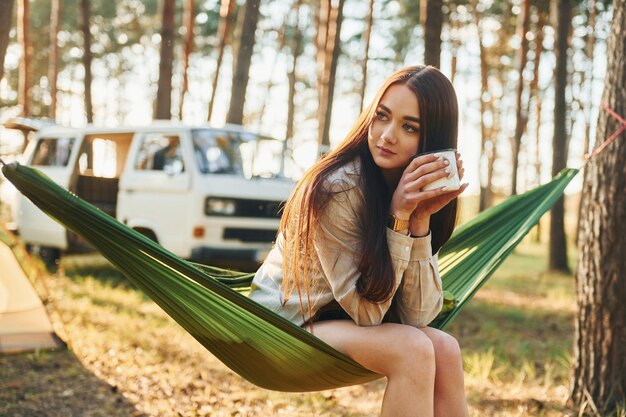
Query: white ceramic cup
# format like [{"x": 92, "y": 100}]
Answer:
[{"x": 452, "y": 181}]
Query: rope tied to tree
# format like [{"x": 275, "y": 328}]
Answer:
[{"x": 612, "y": 137}]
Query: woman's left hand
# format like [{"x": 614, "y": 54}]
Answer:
[{"x": 420, "y": 218}]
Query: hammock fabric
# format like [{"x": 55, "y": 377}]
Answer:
[{"x": 256, "y": 343}]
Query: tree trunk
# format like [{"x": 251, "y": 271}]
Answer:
[
  {"x": 535, "y": 93},
  {"x": 23, "y": 38},
  {"x": 367, "y": 34},
  {"x": 85, "y": 7},
  {"x": 188, "y": 21},
  {"x": 558, "y": 243},
  {"x": 227, "y": 11},
  {"x": 282, "y": 40},
  {"x": 591, "y": 41},
  {"x": 243, "y": 60},
  {"x": 296, "y": 46},
  {"x": 538, "y": 103},
  {"x": 455, "y": 43},
  {"x": 328, "y": 49},
  {"x": 600, "y": 338},
  {"x": 520, "y": 116},
  {"x": 485, "y": 189},
  {"x": 492, "y": 152},
  {"x": 53, "y": 57},
  {"x": 163, "y": 108},
  {"x": 6, "y": 15},
  {"x": 590, "y": 52},
  {"x": 433, "y": 22}
]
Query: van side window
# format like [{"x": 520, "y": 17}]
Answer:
[
  {"x": 53, "y": 152},
  {"x": 160, "y": 152},
  {"x": 216, "y": 152}
]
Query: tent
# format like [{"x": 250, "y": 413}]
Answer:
[{"x": 24, "y": 323}]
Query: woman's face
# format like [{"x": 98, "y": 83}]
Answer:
[{"x": 393, "y": 136}]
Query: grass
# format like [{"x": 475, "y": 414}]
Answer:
[
  {"x": 516, "y": 337},
  {"x": 127, "y": 357}
]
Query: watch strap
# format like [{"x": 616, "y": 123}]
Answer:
[{"x": 396, "y": 224}]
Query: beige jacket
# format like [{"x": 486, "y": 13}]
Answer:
[{"x": 337, "y": 244}]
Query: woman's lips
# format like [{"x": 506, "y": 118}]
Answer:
[{"x": 385, "y": 151}]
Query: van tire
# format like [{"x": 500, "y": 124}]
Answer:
[{"x": 147, "y": 233}]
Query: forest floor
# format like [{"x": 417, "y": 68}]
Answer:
[{"x": 126, "y": 357}]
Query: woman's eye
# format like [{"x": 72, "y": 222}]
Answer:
[
  {"x": 381, "y": 116},
  {"x": 410, "y": 129}
]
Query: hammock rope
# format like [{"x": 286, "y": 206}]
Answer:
[{"x": 253, "y": 341}]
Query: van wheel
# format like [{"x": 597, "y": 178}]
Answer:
[{"x": 147, "y": 233}]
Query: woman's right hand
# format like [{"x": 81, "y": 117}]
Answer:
[{"x": 422, "y": 170}]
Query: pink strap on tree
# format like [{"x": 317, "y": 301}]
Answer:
[{"x": 613, "y": 136}]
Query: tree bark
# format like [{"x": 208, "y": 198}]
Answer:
[
  {"x": 227, "y": 11},
  {"x": 535, "y": 93},
  {"x": 600, "y": 337},
  {"x": 521, "y": 116},
  {"x": 328, "y": 49},
  {"x": 433, "y": 23},
  {"x": 590, "y": 52},
  {"x": 188, "y": 22},
  {"x": 558, "y": 243},
  {"x": 23, "y": 38},
  {"x": 163, "y": 108},
  {"x": 6, "y": 15},
  {"x": 85, "y": 7},
  {"x": 243, "y": 60},
  {"x": 485, "y": 186},
  {"x": 367, "y": 34},
  {"x": 591, "y": 41},
  {"x": 282, "y": 41},
  {"x": 296, "y": 46},
  {"x": 53, "y": 56},
  {"x": 455, "y": 43}
]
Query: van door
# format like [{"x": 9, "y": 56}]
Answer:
[
  {"x": 155, "y": 188},
  {"x": 52, "y": 155},
  {"x": 100, "y": 163}
]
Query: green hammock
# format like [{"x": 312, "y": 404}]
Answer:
[{"x": 256, "y": 343}]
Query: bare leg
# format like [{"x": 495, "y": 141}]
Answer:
[
  {"x": 404, "y": 354},
  {"x": 449, "y": 385}
]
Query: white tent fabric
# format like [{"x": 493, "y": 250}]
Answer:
[{"x": 24, "y": 323}]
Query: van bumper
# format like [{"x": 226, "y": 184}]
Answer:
[{"x": 209, "y": 254}]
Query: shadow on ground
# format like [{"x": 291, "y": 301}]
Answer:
[{"x": 51, "y": 384}]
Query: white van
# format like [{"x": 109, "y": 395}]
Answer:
[{"x": 204, "y": 193}]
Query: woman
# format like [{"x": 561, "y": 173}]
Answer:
[{"x": 355, "y": 260}]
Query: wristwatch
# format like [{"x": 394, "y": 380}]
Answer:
[{"x": 397, "y": 225}]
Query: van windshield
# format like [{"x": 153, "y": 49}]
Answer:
[{"x": 237, "y": 153}]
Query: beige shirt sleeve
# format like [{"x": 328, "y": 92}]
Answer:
[
  {"x": 420, "y": 297},
  {"x": 338, "y": 242}
]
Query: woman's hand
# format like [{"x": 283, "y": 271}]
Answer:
[
  {"x": 408, "y": 195},
  {"x": 420, "y": 217}
]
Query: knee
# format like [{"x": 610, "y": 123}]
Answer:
[
  {"x": 411, "y": 349},
  {"x": 446, "y": 348}
]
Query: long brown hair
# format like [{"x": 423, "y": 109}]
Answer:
[{"x": 438, "y": 130}]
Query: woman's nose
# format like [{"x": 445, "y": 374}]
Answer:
[{"x": 387, "y": 135}]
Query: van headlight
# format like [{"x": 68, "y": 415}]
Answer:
[{"x": 220, "y": 206}]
